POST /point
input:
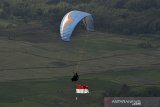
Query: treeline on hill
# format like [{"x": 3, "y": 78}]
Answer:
[{"x": 117, "y": 16}]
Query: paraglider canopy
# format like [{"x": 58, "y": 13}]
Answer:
[{"x": 71, "y": 19}]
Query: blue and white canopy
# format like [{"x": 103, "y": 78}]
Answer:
[{"x": 71, "y": 19}]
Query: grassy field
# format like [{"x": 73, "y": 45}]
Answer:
[
  {"x": 61, "y": 91},
  {"x": 36, "y": 67}
]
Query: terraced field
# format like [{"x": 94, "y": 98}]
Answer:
[{"x": 36, "y": 67}]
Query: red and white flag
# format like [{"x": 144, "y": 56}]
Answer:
[{"x": 82, "y": 89}]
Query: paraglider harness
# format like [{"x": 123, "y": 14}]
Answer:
[{"x": 75, "y": 77}]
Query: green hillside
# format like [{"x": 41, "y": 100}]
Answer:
[
  {"x": 36, "y": 72},
  {"x": 121, "y": 58}
]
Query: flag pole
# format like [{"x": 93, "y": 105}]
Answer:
[{"x": 76, "y": 98}]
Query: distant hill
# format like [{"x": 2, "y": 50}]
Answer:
[{"x": 116, "y": 16}]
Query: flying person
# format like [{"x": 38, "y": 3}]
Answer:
[{"x": 75, "y": 77}]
